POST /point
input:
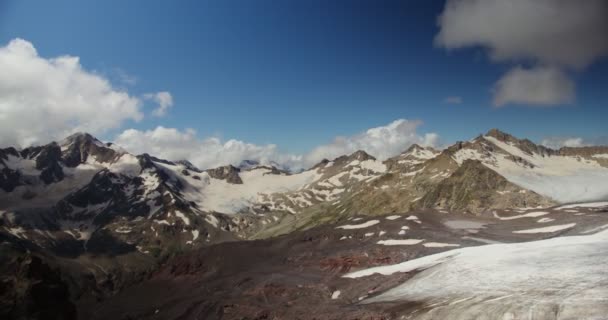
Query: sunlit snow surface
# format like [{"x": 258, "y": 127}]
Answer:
[
  {"x": 215, "y": 195},
  {"x": 559, "y": 278}
]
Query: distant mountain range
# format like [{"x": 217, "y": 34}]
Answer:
[
  {"x": 82, "y": 191},
  {"x": 111, "y": 217}
]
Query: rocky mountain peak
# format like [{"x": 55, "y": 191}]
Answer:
[
  {"x": 500, "y": 135},
  {"x": 413, "y": 147},
  {"x": 229, "y": 173},
  {"x": 360, "y": 155},
  {"x": 418, "y": 152},
  {"x": 78, "y": 147},
  {"x": 524, "y": 145},
  {"x": 80, "y": 138},
  {"x": 4, "y": 153}
]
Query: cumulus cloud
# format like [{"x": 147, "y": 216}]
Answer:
[
  {"x": 564, "y": 34},
  {"x": 43, "y": 99},
  {"x": 453, "y": 100},
  {"x": 540, "y": 86},
  {"x": 169, "y": 143},
  {"x": 381, "y": 142},
  {"x": 164, "y": 101},
  {"x": 173, "y": 144}
]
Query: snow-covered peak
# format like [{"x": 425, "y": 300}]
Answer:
[
  {"x": 545, "y": 171},
  {"x": 418, "y": 152}
]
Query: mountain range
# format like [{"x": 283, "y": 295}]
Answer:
[{"x": 109, "y": 218}]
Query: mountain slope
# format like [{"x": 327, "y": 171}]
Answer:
[
  {"x": 109, "y": 218},
  {"x": 82, "y": 187},
  {"x": 565, "y": 176},
  {"x": 474, "y": 187}
]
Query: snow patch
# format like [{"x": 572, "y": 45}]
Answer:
[
  {"x": 548, "y": 229},
  {"x": 182, "y": 216},
  {"x": 212, "y": 220},
  {"x": 359, "y": 226},
  {"x": 335, "y": 295},
  {"x": 400, "y": 242},
  {"x": 527, "y": 215},
  {"x": 195, "y": 234}
]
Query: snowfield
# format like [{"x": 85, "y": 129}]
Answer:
[
  {"x": 558, "y": 278},
  {"x": 215, "y": 195}
]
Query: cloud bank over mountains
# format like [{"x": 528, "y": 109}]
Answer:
[
  {"x": 170, "y": 143},
  {"x": 552, "y": 37},
  {"x": 46, "y": 99}
]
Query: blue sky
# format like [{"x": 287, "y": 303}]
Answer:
[{"x": 297, "y": 73}]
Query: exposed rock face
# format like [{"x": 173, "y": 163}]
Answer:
[
  {"x": 583, "y": 151},
  {"x": 525, "y": 145},
  {"x": 9, "y": 178},
  {"x": 228, "y": 173},
  {"x": 48, "y": 161},
  {"x": 81, "y": 146},
  {"x": 273, "y": 170},
  {"x": 476, "y": 188},
  {"x": 320, "y": 165},
  {"x": 4, "y": 153},
  {"x": 361, "y": 156}
]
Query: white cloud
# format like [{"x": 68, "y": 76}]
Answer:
[
  {"x": 555, "y": 35},
  {"x": 453, "y": 100},
  {"x": 47, "y": 99},
  {"x": 173, "y": 144},
  {"x": 561, "y": 32},
  {"x": 381, "y": 142},
  {"x": 558, "y": 142},
  {"x": 164, "y": 101},
  {"x": 540, "y": 86}
]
